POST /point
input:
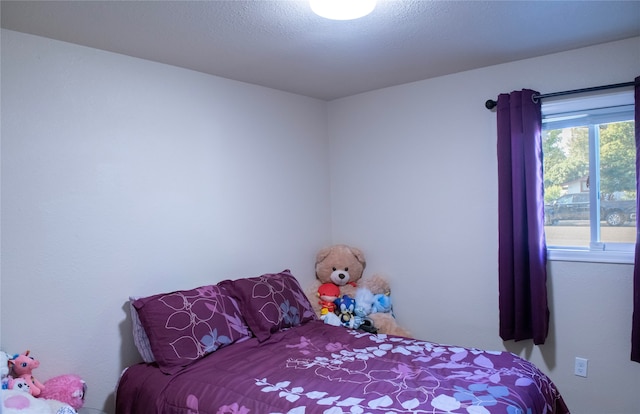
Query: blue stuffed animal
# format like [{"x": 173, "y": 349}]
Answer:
[
  {"x": 345, "y": 308},
  {"x": 381, "y": 303}
]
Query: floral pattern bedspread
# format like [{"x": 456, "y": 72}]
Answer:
[{"x": 317, "y": 368}]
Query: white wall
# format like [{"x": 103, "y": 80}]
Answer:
[
  {"x": 126, "y": 177},
  {"x": 413, "y": 183}
]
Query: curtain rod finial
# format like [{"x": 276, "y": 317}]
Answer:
[{"x": 490, "y": 104}]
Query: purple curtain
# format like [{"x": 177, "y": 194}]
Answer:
[
  {"x": 522, "y": 271},
  {"x": 635, "y": 326}
]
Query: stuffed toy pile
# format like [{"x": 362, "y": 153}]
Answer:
[
  {"x": 342, "y": 296},
  {"x": 23, "y": 393}
]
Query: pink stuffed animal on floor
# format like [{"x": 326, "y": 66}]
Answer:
[
  {"x": 67, "y": 388},
  {"x": 22, "y": 366}
]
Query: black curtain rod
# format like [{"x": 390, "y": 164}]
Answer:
[{"x": 490, "y": 104}]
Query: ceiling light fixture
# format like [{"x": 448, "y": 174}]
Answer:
[{"x": 342, "y": 9}]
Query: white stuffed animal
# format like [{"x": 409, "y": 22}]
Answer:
[
  {"x": 4, "y": 367},
  {"x": 16, "y": 402},
  {"x": 19, "y": 384},
  {"x": 20, "y": 402}
]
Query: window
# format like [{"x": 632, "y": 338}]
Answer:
[{"x": 589, "y": 178}]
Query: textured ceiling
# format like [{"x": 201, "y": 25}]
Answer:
[{"x": 282, "y": 45}]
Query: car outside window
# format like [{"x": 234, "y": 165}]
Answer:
[{"x": 589, "y": 177}]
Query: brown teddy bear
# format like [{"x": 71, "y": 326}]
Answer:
[{"x": 344, "y": 266}]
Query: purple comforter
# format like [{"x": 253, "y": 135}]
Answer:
[{"x": 317, "y": 368}]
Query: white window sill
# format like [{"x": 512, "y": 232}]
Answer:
[{"x": 586, "y": 255}]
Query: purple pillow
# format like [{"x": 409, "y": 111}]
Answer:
[
  {"x": 271, "y": 302},
  {"x": 186, "y": 325}
]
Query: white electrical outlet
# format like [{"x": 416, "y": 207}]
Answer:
[{"x": 581, "y": 367}]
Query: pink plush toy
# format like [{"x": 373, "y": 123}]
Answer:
[
  {"x": 22, "y": 366},
  {"x": 67, "y": 388}
]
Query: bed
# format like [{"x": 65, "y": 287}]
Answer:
[{"x": 254, "y": 345}]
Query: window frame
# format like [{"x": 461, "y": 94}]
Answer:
[{"x": 589, "y": 111}]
